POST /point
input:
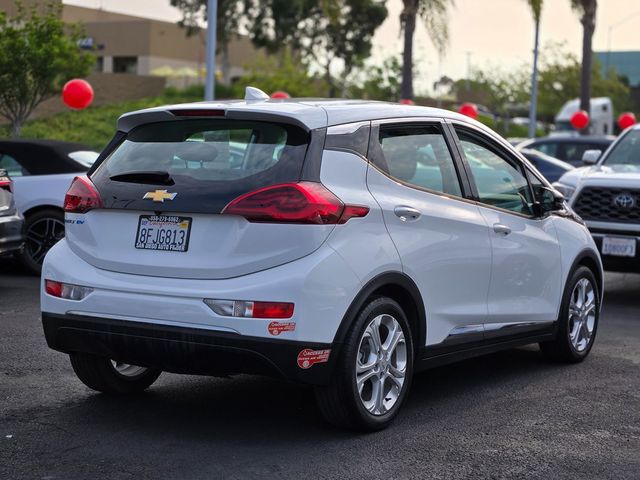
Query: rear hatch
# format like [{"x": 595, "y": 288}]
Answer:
[{"x": 163, "y": 192}]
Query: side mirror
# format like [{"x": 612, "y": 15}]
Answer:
[
  {"x": 550, "y": 200},
  {"x": 591, "y": 157}
]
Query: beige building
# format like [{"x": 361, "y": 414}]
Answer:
[{"x": 142, "y": 46}]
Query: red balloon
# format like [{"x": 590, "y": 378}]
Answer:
[
  {"x": 280, "y": 94},
  {"x": 77, "y": 94},
  {"x": 626, "y": 119},
  {"x": 469, "y": 109},
  {"x": 580, "y": 120},
  {"x": 407, "y": 101}
]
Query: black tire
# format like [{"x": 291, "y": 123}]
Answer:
[
  {"x": 98, "y": 373},
  {"x": 340, "y": 401},
  {"x": 562, "y": 349},
  {"x": 43, "y": 230}
]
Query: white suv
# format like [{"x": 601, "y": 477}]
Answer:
[
  {"x": 342, "y": 244},
  {"x": 607, "y": 196}
]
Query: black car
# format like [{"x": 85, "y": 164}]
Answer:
[
  {"x": 550, "y": 167},
  {"x": 567, "y": 148},
  {"x": 11, "y": 222}
]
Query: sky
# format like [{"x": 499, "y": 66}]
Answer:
[{"x": 484, "y": 34}]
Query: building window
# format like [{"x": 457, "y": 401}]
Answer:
[
  {"x": 99, "y": 65},
  {"x": 125, "y": 65}
]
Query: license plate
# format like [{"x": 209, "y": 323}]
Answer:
[
  {"x": 619, "y": 247},
  {"x": 163, "y": 232}
]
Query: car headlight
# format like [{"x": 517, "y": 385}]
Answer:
[{"x": 564, "y": 189}]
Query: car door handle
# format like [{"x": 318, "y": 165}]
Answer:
[
  {"x": 407, "y": 214},
  {"x": 501, "y": 229}
]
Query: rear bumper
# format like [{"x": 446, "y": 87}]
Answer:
[
  {"x": 618, "y": 264},
  {"x": 184, "y": 350},
  {"x": 11, "y": 234}
]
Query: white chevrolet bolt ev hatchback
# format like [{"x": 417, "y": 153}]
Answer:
[{"x": 341, "y": 244}]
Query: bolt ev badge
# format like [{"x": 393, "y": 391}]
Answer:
[
  {"x": 159, "y": 196},
  {"x": 625, "y": 201}
]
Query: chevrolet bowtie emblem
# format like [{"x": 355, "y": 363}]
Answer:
[{"x": 159, "y": 196}]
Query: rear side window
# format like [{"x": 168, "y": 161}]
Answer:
[
  {"x": 11, "y": 165},
  {"x": 208, "y": 162},
  {"x": 550, "y": 149},
  {"x": 419, "y": 156}
]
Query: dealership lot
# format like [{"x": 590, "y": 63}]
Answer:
[{"x": 506, "y": 415}]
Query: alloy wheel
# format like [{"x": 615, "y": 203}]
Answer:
[
  {"x": 582, "y": 314},
  {"x": 381, "y": 364},
  {"x": 43, "y": 234},
  {"x": 127, "y": 370}
]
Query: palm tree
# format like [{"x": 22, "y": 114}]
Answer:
[
  {"x": 434, "y": 13},
  {"x": 536, "y": 9},
  {"x": 587, "y": 11}
]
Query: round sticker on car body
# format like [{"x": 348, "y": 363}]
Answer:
[
  {"x": 307, "y": 357},
  {"x": 276, "y": 328}
]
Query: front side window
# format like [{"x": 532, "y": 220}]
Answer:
[
  {"x": 500, "y": 183},
  {"x": 626, "y": 152},
  {"x": 419, "y": 156}
]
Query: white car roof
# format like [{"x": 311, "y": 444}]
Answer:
[{"x": 307, "y": 113}]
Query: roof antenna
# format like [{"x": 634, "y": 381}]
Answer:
[{"x": 253, "y": 94}]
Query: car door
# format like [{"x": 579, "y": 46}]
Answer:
[
  {"x": 525, "y": 283},
  {"x": 442, "y": 239}
]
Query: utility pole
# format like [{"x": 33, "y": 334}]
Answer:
[
  {"x": 609, "y": 32},
  {"x": 468, "y": 86},
  {"x": 533, "y": 107},
  {"x": 212, "y": 17}
]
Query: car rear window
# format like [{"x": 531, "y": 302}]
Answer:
[{"x": 209, "y": 162}]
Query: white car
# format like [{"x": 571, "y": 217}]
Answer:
[
  {"x": 42, "y": 171},
  {"x": 342, "y": 244},
  {"x": 607, "y": 196}
]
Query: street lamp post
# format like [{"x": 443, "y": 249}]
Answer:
[{"x": 212, "y": 16}]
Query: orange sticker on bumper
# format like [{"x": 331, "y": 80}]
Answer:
[
  {"x": 276, "y": 328},
  {"x": 307, "y": 357}
]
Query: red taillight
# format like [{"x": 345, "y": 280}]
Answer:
[
  {"x": 82, "y": 196},
  {"x": 53, "y": 288},
  {"x": 272, "y": 310},
  {"x": 6, "y": 183},
  {"x": 353, "y": 211},
  {"x": 304, "y": 202}
]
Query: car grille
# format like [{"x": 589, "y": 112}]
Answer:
[{"x": 609, "y": 204}]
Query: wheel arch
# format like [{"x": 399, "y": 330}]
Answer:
[
  {"x": 588, "y": 258},
  {"x": 39, "y": 208},
  {"x": 401, "y": 288}
]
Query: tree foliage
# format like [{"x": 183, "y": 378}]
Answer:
[
  {"x": 39, "y": 54},
  {"x": 559, "y": 81},
  {"x": 434, "y": 13}
]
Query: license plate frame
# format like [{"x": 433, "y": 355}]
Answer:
[
  {"x": 619, "y": 246},
  {"x": 157, "y": 222}
]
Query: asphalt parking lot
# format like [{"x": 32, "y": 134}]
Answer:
[{"x": 507, "y": 415}]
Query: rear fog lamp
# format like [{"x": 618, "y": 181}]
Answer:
[
  {"x": 65, "y": 290},
  {"x": 243, "y": 308}
]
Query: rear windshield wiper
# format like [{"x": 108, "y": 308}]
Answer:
[{"x": 149, "y": 177}]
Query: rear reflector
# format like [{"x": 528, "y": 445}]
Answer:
[
  {"x": 65, "y": 290},
  {"x": 197, "y": 113},
  {"x": 247, "y": 309},
  {"x": 303, "y": 202},
  {"x": 82, "y": 196}
]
